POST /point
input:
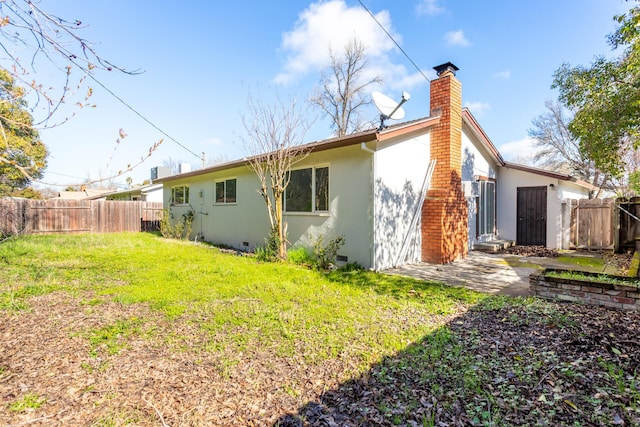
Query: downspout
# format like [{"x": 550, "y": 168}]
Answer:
[{"x": 363, "y": 147}]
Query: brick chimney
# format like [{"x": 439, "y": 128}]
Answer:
[{"x": 444, "y": 212}]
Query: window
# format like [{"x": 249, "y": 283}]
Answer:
[
  {"x": 486, "y": 218},
  {"x": 225, "y": 191},
  {"x": 180, "y": 195},
  {"x": 308, "y": 190}
]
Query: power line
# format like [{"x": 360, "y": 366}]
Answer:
[
  {"x": 62, "y": 174},
  {"x": 139, "y": 114},
  {"x": 393, "y": 40}
]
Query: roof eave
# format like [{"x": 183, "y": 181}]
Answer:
[
  {"x": 471, "y": 121},
  {"x": 326, "y": 144},
  {"x": 552, "y": 174},
  {"x": 408, "y": 128}
]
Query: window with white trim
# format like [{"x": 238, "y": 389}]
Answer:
[
  {"x": 225, "y": 191},
  {"x": 308, "y": 190},
  {"x": 486, "y": 207},
  {"x": 180, "y": 195}
]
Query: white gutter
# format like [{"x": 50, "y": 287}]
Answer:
[{"x": 363, "y": 147}]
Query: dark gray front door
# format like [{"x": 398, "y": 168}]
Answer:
[{"x": 532, "y": 216}]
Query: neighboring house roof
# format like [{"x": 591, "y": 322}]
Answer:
[
  {"x": 387, "y": 133},
  {"x": 143, "y": 189},
  {"x": 82, "y": 195},
  {"x": 550, "y": 174}
]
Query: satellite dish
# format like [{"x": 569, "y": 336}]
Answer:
[{"x": 389, "y": 109}]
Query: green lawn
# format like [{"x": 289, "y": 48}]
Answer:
[
  {"x": 238, "y": 301},
  {"x": 134, "y": 329}
]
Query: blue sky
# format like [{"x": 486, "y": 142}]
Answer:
[{"x": 201, "y": 59}]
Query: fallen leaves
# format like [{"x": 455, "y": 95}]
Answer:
[{"x": 522, "y": 362}]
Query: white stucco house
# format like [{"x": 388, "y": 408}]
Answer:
[
  {"x": 534, "y": 205},
  {"x": 422, "y": 191}
]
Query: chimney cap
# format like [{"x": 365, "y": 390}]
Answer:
[{"x": 441, "y": 69}]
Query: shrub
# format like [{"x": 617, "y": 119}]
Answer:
[
  {"x": 269, "y": 252},
  {"x": 176, "y": 229},
  {"x": 325, "y": 255}
]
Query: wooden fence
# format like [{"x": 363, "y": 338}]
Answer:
[
  {"x": 592, "y": 224},
  {"x": 77, "y": 216},
  {"x": 628, "y": 220},
  {"x": 605, "y": 224}
]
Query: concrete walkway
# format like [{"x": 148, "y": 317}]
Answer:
[{"x": 501, "y": 274}]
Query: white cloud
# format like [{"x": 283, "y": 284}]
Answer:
[
  {"x": 409, "y": 81},
  {"x": 477, "y": 108},
  {"x": 332, "y": 24},
  {"x": 216, "y": 142},
  {"x": 429, "y": 7},
  {"x": 518, "y": 151},
  {"x": 456, "y": 38},
  {"x": 505, "y": 74}
]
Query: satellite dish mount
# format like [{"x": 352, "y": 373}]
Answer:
[{"x": 389, "y": 109}]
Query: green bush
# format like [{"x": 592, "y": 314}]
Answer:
[
  {"x": 176, "y": 229},
  {"x": 325, "y": 255},
  {"x": 269, "y": 252},
  {"x": 352, "y": 266}
]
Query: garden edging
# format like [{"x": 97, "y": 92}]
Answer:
[{"x": 619, "y": 296}]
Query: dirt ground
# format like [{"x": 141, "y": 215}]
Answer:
[{"x": 158, "y": 378}]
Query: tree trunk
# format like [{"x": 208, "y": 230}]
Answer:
[{"x": 282, "y": 238}]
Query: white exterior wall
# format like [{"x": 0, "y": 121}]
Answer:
[
  {"x": 232, "y": 224},
  {"x": 349, "y": 205},
  {"x": 247, "y": 220},
  {"x": 155, "y": 195},
  {"x": 400, "y": 170},
  {"x": 475, "y": 162},
  {"x": 557, "y": 218}
]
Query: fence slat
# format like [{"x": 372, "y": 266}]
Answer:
[
  {"x": 592, "y": 224},
  {"x": 77, "y": 216}
]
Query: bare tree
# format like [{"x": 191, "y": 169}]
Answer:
[
  {"x": 28, "y": 34},
  {"x": 32, "y": 39},
  {"x": 172, "y": 163},
  {"x": 273, "y": 141},
  {"x": 559, "y": 150},
  {"x": 341, "y": 92}
]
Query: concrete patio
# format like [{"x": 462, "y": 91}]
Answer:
[{"x": 493, "y": 273}]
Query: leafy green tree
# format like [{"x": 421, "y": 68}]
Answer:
[
  {"x": 23, "y": 156},
  {"x": 28, "y": 193},
  {"x": 605, "y": 98}
]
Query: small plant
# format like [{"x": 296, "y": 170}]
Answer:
[
  {"x": 269, "y": 252},
  {"x": 325, "y": 255},
  {"x": 176, "y": 229},
  {"x": 111, "y": 337},
  {"x": 300, "y": 256},
  {"x": 28, "y": 401},
  {"x": 352, "y": 266},
  {"x": 600, "y": 278}
]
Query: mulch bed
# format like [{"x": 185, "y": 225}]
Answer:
[
  {"x": 535, "y": 251},
  {"x": 535, "y": 372},
  {"x": 170, "y": 381}
]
